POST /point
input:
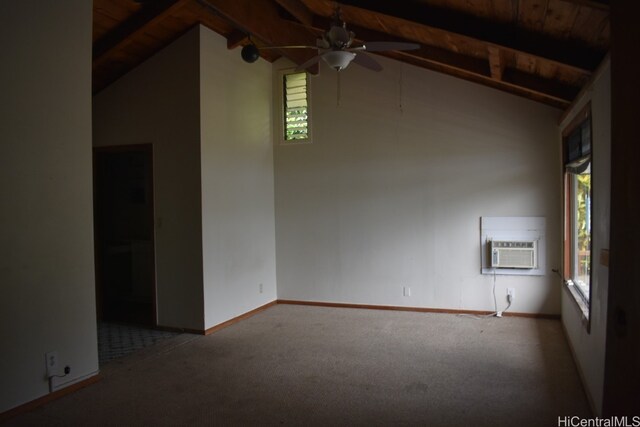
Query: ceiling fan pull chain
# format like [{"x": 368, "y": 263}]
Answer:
[
  {"x": 339, "y": 89},
  {"x": 401, "y": 84}
]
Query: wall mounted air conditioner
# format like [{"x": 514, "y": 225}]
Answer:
[{"x": 514, "y": 254}]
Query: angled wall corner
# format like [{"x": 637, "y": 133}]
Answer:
[
  {"x": 238, "y": 223},
  {"x": 158, "y": 103}
]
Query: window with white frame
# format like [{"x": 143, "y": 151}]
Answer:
[{"x": 296, "y": 126}]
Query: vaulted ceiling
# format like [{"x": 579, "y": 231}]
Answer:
[{"x": 544, "y": 50}]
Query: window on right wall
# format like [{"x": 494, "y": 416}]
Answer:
[{"x": 578, "y": 206}]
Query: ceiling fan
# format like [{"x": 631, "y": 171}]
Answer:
[{"x": 336, "y": 48}]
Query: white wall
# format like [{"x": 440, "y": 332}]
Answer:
[
  {"x": 238, "y": 225},
  {"x": 208, "y": 115},
  {"x": 46, "y": 223},
  {"x": 589, "y": 348},
  {"x": 391, "y": 191},
  {"x": 158, "y": 103}
]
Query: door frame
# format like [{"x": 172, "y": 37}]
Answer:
[{"x": 147, "y": 149}]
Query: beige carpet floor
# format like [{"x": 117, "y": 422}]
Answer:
[{"x": 300, "y": 365}]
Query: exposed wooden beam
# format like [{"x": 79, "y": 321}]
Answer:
[
  {"x": 496, "y": 62},
  {"x": 470, "y": 68},
  {"x": 127, "y": 32},
  {"x": 549, "y": 91},
  {"x": 236, "y": 38},
  {"x": 261, "y": 19},
  {"x": 450, "y": 23},
  {"x": 113, "y": 52},
  {"x": 538, "y": 84},
  {"x": 142, "y": 16},
  {"x": 543, "y": 97},
  {"x": 297, "y": 10},
  {"x": 427, "y": 53},
  {"x": 594, "y": 4},
  {"x": 426, "y": 35}
]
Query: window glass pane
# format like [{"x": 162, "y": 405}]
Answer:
[
  {"x": 581, "y": 238},
  {"x": 296, "y": 120}
]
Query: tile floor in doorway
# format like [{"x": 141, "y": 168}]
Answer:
[{"x": 118, "y": 339}]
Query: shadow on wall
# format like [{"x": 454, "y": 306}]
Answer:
[{"x": 561, "y": 371}]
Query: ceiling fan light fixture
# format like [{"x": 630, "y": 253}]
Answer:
[{"x": 338, "y": 59}]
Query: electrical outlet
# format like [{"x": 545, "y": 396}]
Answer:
[
  {"x": 51, "y": 362},
  {"x": 406, "y": 291},
  {"x": 511, "y": 293},
  {"x": 260, "y": 288}
]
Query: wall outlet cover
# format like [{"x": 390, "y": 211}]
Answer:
[{"x": 51, "y": 363}]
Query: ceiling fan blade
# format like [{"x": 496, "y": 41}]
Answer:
[
  {"x": 380, "y": 46},
  {"x": 287, "y": 47},
  {"x": 309, "y": 63},
  {"x": 367, "y": 61}
]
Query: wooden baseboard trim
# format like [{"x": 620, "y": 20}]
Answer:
[
  {"x": 533, "y": 315},
  {"x": 237, "y": 319},
  {"x": 180, "y": 330},
  {"x": 416, "y": 309},
  {"x": 29, "y": 406}
]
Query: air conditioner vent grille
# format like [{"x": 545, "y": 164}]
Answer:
[{"x": 514, "y": 254}]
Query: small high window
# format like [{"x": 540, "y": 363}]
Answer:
[{"x": 296, "y": 107}]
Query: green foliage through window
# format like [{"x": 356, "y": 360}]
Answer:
[
  {"x": 296, "y": 108},
  {"x": 583, "y": 209},
  {"x": 581, "y": 274}
]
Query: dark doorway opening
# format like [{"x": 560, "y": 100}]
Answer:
[{"x": 124, "y": 234}]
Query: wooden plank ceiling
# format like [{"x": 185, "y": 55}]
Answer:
[{"x": 544, "y": 50}]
